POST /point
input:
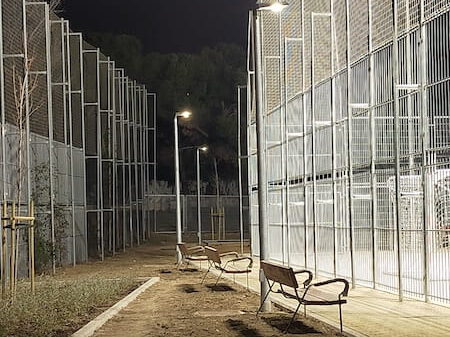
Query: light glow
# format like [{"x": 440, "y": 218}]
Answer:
[
  {"x": 184, "y": 114},
  {"x": 276, "y": 6}
]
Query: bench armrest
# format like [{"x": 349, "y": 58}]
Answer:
[
  {"x": 250, "y": 264},
  {"x": 195, "y": 250},
  {"x": 304, "y": 271},
  {"x": 336, "y": 280},
  {"x": 229, "y": 254},
  {"x": 196, "y": 247}
]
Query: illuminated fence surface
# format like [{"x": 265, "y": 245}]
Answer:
[
  {"x": 89, "y": 145},
  {"x": 357, "y": 138}
]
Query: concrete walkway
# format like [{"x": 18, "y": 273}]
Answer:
[{"x": 371, "y": 312}]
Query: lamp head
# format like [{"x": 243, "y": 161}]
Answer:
[
  {"x": 276, "y": 6},
  {"x": 184, "y": 114},
  {"x": 203, "y": 148}
]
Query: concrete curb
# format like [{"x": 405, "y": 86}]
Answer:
[{"x": 90, "y": 328}]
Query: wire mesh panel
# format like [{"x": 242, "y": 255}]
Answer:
[{"x": 357, "y": 142}]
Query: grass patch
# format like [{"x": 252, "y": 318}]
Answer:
[{"x": 59, "y": 307}]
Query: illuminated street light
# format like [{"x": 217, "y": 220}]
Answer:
[
  {"x": 276, "y": 6},
  {"x": 183, "y": 114}
]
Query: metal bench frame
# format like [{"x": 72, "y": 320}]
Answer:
[
  {"x": 191, "y": 254},
  {"x": 215, "y": 261},
  {"x": 285, "y": 276}
]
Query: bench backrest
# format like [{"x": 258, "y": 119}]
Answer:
[
  {"x": 281, "y": 274},
  {"x": 213, "y": 255},
  {"x": 183, "y": 249}
]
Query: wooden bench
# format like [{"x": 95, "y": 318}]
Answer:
[
  {"x": 309, "y": 294},
  {"x": 229, "y": 267},
  {"x": 191, "y": 254}
]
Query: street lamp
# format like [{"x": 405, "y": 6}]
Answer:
[
  {"x": 204, "y": 149},
  {"x": 183, "y": 114},
  {"x": 274, "y": 6}
]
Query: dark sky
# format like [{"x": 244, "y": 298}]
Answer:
[{"x": 164, "y": 25}]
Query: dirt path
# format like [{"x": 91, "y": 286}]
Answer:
[{"x": 180, "y": 306}]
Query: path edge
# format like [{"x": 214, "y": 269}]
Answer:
[{"x": 90, "y": 328}]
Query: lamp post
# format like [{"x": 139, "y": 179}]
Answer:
[
  {"x": 204, "y": 149},
  {"x": 274, "y": 6},
  {"x": 185, "y": 115}
]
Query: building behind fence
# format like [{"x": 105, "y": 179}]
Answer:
[
  {"x": 357, "y": 136},
  {"x": 78, "y": 138}
]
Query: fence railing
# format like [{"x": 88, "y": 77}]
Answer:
[{"x": 162, "y": 210}]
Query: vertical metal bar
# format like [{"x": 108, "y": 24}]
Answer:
[
  {"x": 71, "y": 167},
  {"x": 241, "y": 214},
  {"x": 333, "y": 137},
  {"x": 199, "y": 209},
  {"x": 287, "y": 243},
  {"x": 100, "y": 206},
  {"x": 50, "y": 134},
  {"x": 142, "y": 161},
  {"x": 407, "y": 38},
  {"x": 350, "y": 143},
  {"x": 3, "y": 242},
  {"x": 122, "y": 149},
  {"x": 373, "y": 154},
  {"x": 135, "y": 161},
  {"x": 283, "y": 104},
  {"x": 83, "y": 137},
  {"x": 27, "y": 104},
  {"x": 313, "y": 161},
  {"x": 262, "y": 160},
  {"x": 425, "y": 146},
  {"x": 396, "y": 108},
  {"x": 129, "y": 166},
  {"x": 113, "y": 153},
  {"x": 177, "y": 187},
  {"x": 305, "y": 145},
  {"x": 155, "y": 165}
]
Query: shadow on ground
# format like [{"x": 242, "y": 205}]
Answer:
[
  {"x": 188, "y": 288},
  {"x": 188, "y": 270},
  {"x": 242, "y": 328},
  {"x": 221, "y": 287},
  {"x": 297, "y": 327}
]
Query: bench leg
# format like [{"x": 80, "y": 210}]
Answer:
[
  {"x": 204, "y": 277},
  {"x": 293, "y": 317},
  {"x": 221, "y": 272},
  {"x": 340, "y": 316},
  {"x": 179, "y": 264}
]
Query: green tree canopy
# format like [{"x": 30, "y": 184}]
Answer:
[{"x": 205, "y": 83}]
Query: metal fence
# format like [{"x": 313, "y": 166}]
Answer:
[
  {"x": 163, "y": 208},
  {"x": 357, "y": 140},
  {"x": 88, "y": 148}
]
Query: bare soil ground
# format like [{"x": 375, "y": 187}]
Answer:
[{"x": 180, "y": 306}]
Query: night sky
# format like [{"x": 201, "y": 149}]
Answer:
[{"x": 164, "y": 25}]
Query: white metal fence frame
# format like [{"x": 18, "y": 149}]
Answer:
[
  {"x": 75, "y": 82},
  {"x": 356, "y": 143}
]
